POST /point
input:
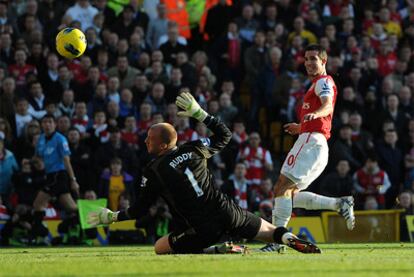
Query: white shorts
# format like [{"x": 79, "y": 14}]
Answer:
[{"x": 306, "y": 160}]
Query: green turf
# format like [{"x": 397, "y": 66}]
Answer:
[{"x": 336, "y": 260}]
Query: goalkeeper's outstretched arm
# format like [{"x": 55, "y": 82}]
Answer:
[{"x": 222, "y": 134}]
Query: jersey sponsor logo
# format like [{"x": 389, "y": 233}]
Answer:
[
  {"x": 49, "y": 150},
  {"x": 205, "y": 141},
  {"x": 65, "y": 146},
  {"x": 143, "y": 182},
  {"x": 306, "y": 106},
  {"x": 182, "y": 158}
]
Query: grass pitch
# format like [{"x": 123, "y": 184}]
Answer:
[{"x": 336, "y": 260}]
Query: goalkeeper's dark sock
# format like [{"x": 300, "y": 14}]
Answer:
[{"x": 278, "y": 234}]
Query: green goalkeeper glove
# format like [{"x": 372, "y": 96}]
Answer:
[
  {"x": 103, "y": 216},
  {"x": 190, "y": 106}
]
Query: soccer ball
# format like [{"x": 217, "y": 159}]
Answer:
[{"x": 70, "y": 43}]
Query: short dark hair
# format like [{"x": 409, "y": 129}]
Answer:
[
  {"x": 116, "y": 160},
  {"x": 317, "y": 47},
  {"x": 113, "y": 129},
  {"x": 48, "y": 115}
]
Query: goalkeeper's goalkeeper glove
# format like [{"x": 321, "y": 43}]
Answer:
[
  {"x": 103, "y": 216},
  {"x": 190, "y": 106}
]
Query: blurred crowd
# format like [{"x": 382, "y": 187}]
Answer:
[{"x": 243, "y": 62}]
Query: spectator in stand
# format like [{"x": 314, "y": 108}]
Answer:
[
  {"x": 36, "y": 100},
  {"x": 358, "y": 133},
  {"x": 19, "y": 70},
  {"x": 24, "y": 146},
  {"x": 190, "y": 78},
  {"x": 86, "y": 91},
  {"x": 21, "y": 118},
  {"x": 184, "y": 132},
  {"x": 156, "y": 98},
  {"x": 157, "y": 27},
  {"x": 236, "y": 187},
  {"x": 28, "y": 181},
  {"x": 130, "y": 133},
  {"x": 137, "y": 46},
  {"x": 394, "y": 113},
  {"x": 227, "y": 111},
  {"x": 259, "y": 194},
  {"x": 217, "y": 16},
  {"x": 113, "y": 89},
  {"x": 171, "y": 114},
  {"x": 7, "y": 97},
  {"x": 98, "y": 133},
  {"x": 123, "y": 71},
  {"x": 386, "y": 59},
  {"x": 80, "y": 119},
  {"x": 99, "y": 100},
  {"x": 339, "y": 182},
  {"x": 344, "y": 148},
  {"x": 6, "y": 129},
  {"x": 145, "y": 118},
  {"x": 114, "y": 183},
  {"x": 299, "y": 29},
  {"x": 81, "y": 158},
  {"x": 67, "y": 105},
  {"x": 115, "y": 147},
  {"x": 84, "y": 12},
  {"x": 174, "y": 86},
  {"x": 391, "y": 160},
  {"x": 257, "y": 159},
  {"x": 140, "y": 89},
  {"x": 405, "y": 201},
  {"x": 125, "y": 25},
  {"x": 113, "y": 117},
  {"x": 247, "y": 24},
  {"x": 63, "y": 124},
  {"x": 126, "y": 105},
  {"x": 371, "y": 180},
  {"x": 173, "y": 45}
]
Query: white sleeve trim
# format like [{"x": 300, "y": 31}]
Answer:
[{"x": 324, "y": 87}]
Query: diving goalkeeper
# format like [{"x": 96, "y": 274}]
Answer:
[{"x": 179, "y": 174}]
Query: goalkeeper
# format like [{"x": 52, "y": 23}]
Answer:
[{"x": 179, "y": 174}]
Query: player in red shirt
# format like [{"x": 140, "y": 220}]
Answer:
[{"x": 309, "y": 156}]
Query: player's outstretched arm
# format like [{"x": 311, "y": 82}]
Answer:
[
  {"x": 189, "y": 106},
  {"x": 103, "y": 216},
  {"x": 222, "y": 134}
]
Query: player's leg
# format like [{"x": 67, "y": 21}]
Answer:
[
  {"x": 40, "y": 204},
  {"x": 312, "y": 201},
  {"x": 162, "y": 246},
  {"x": 190, "y": 241},
  {"x": 257, "y": 228},
  {"x": 67, "y": 202},
  {"x": 283, "y": 191}
]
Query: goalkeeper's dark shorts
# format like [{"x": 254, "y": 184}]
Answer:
[{"x": 194, "y": 240}]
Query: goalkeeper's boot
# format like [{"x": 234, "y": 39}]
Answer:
[
  {"x": 230, "y": 248},
  {"x": 302, "y": 245},
  {"x": 273, "y": 247},
  {"x": 346, "y": 209}
]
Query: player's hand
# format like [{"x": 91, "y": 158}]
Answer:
[
  {"x": 74, "y": 186},
  {"x": 309, "y": 117},
  {"x": 292, "y": 128},
  {"x": 103, "y": 216},
  {"x": 190, "y": 106}
]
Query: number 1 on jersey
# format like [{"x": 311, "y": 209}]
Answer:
[{"x": 193, "y": 181}]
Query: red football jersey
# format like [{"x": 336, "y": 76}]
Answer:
[{"x": 321, "y": 86}]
